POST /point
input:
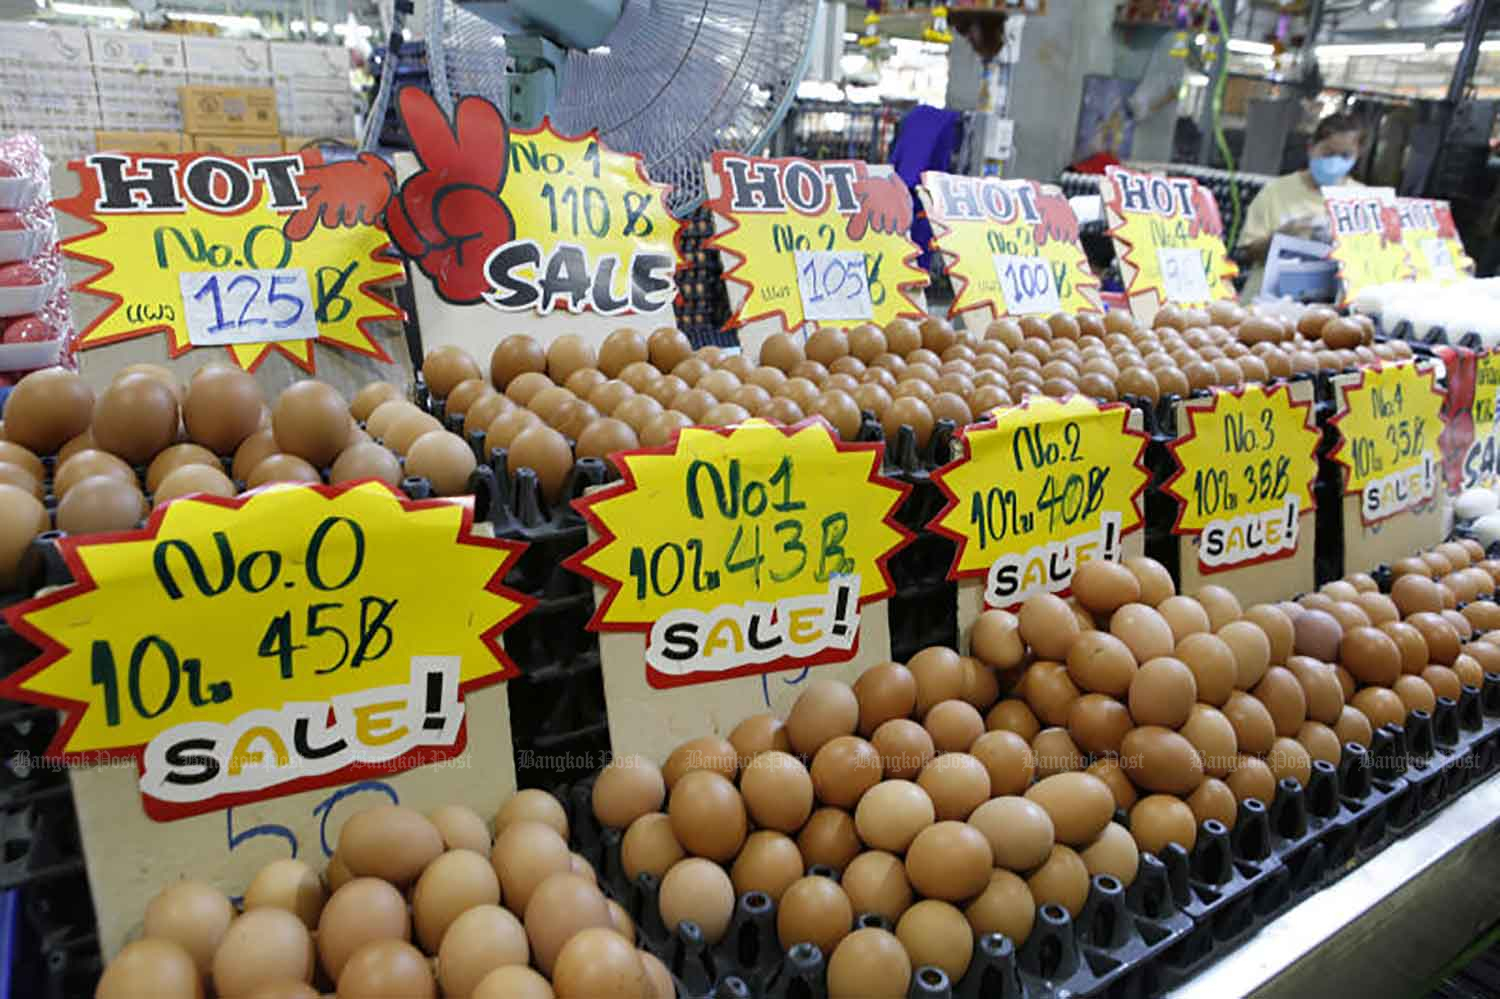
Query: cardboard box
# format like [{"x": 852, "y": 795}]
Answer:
[
  {"x": 139, "y": 142},
  {"x": 140, "y": 51},
  {"x": 227, "y": 57},
  {"x": 297, "y": 143},
  {"x": 229, "y": 110},
  {"x": 236, "y": 145},
  {"x": 301, "y": 59},
  {"x": 49, "y": 45}
]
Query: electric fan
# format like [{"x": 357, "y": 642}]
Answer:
[{"x": 672, "y": 80}]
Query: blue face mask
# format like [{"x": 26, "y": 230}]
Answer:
[{"x": 1329, "y": 170}]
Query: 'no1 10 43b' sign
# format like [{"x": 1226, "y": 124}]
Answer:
[
  {"x": 744, "y": 550},
  {"x": 250, "y": 648},
  {"x": 1011, "y": 246},
  {"x": 1246, "y": 465},
  {"x": 1041, "y": 488}
]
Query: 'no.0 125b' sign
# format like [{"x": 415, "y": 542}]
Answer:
[
  {"x": 250, "y": 648},
  {"x": 744, "y": 550}
]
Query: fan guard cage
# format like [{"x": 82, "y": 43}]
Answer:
[{"x": 675, "y": 80}]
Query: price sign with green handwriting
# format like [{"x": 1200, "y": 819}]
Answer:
[
  {"x": 1246, "y": 465},
  {"x": 1040, "y": 488}
]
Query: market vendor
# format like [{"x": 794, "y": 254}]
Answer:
[{"x": 1293, "y": 204}]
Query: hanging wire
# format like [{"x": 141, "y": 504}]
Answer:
[{"x": 1217, "y": 106}]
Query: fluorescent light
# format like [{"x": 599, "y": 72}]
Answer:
[
  {"x": 1244, "y": 46},
  {"x": 1375, "y": 49},
  {"x": 1453, "y": 48},
  {"x": 94, "y": 10},
  {"x": 222, "y": 20}
]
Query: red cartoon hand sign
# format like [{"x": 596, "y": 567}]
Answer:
[
  {"x": 354, "y": 192},
  {"x": 1390, "y": 225},
  {"x": 884, "y": 205},
  {"x": 1058, "y": 221},
  {"x": 1206, "y": 218},
  {"x": 448, "y": 217}
]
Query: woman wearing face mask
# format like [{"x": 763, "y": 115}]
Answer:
[{"x": 1293, "y": 204}]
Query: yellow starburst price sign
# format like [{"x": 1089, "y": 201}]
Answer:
[
  {"x": 1170, "y": 239},
  {"x": 250, "y": 648},
  {"x": 1365, "y": 224},
  {"x": 1431, "y": 239},
  {"x": 1246, "y": 465},
  {"x": 1039, "y": 489},
  {"x": 1390, "y": 422},
  {"x": 1010, "y": 246},
  {"x": 194, "y": 246},
  {"x": 815, "y": 242},
  {"x": 1482, "y": 458},
  {"x": 743, "y": 550}
]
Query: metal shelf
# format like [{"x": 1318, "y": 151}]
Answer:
[{"x": 1387, "y": 928}]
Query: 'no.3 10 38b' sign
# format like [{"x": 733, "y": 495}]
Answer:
[
  {"x": 1040, "y": 489},
  {"x": 743, "y": 550},
  {"x": 1246, "y": 467},
  {"x": 250, "y": 648}
]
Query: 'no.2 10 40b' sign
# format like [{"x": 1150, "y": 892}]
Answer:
[
  {"x": 250, "y": 648},
  {"x": 744, "y": 550}
]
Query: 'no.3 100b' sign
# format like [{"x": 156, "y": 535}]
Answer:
[
  {"x": 250, "y": 648},
  {"x": 743, "y": 550}
]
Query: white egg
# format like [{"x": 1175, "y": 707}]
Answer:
[
  {"x": 1474, "y": 503},
  {"x": 1487, "y": 529}
]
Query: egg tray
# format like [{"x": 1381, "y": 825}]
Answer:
[
  {"x": 1229, "y": 884},
  {"x": 49, "y": 946},
  {"x": 923, "y": 610},
  {"x": 1110, "y": 950},
  {"x": 1436, "y": 336}
]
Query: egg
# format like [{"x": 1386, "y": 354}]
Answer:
[
  {"x": 1013, "y": 715},
  {"x": 891, "y": 813},
  {"x": 768, "y": 863},
  {"x": 1159, "y": 820},
  {"x": 953, "y": 725},
  {"x": 1062, "y": 880},
  {"x": 825, "y": 710},
  {"x": 698, "y": 891},
  {"x": 364, "y": 403},
  {"x": 876, "y": 882},
  {"x": 1078, "y": 804},
  {"x": 869, "y": 962},
  {"x": 1162, "y": 692},
  {"x": 157, "y": 968},
  {"x": 387, "y": 969},
  {"x": 444, "y": 460},
  {"x": 814, "y": 910},
  {"x": 845, "y": 768},
  {"x": 525, "y": 854},
  {"x": 309, "y": 420},
  {"x": 904, "y": 748},
  {"x": 456, "y": 881},
  {"x": 516, "y": 982},
  {"x": 957, "y": 783},
  {"x": 829, "y": 839},
  {"x": 1008, "y": 760},
  {"x": 192, "y": 914},
  {"x": 137, "y": 416},
  {"x": 22, "y": 518},
  {"x": 1284, "y": 699},
  {"x": 883, "y": 692},
  {"x": 515, "y": 356},
  {"x": 1097, "y": 723},
  {"x": 262, "y": 947},
  {"x": 1048, "y": 625},
  {"x": 1101, "y": 663},
  {"x": 47, "y": 408},
  {"x": 562, "y": 906},
  {"x": 1103, "y": 587},
  {"x": 478, "y": 941},
  {"x": 936, "y": 933},
  {"x": 175, "y": 457},
  {"x": 100, "y": 503},
  {"x": 709, "y": 752},
  {"x": 367, "y": 460},
  {"x": 1144, "y": 631},
  {"x": 546, "y": 452},
  {"x": 1162, "y": 760},
  {"x": 778, "y": 791},
  {"x": 290, "y": 885},
  {"x": 950, "y": 861},
  {"x": 708, "y": 815}
]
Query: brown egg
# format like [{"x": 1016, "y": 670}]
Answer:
[
  {"x": 100, "y": 503},
  {"x": 953, "y": 725},
  {"x": 561, "y": 907},
  {"x": 1103, "y": 587},
  {"x": 222, "y": 407},
  {"x": 1416, "y": 693},
  {"x": 1055, "y": 752},
  {"x": 599, "y": 964},
  {"x": 845, "y": 768},
  {"x": 910, "y": 412},
  {"x": 1063, "y": 880},
  {"x": 47, "y": 408},
  {"x": 814, "y": 910},
  {"x": 282, "y": 468},
  {"x": 1101, "y": 663},
  {"x": 137, "y": 416},
  {"x": 891, "y": 813},
  {"x": 935, "y": 933},
  {"x": 621, "y": 348},
  {"x": 1144, "y": 631},
  {"x": 1048, "y": 625},
  {"x": 1440, "y": 635},
  {"x": 444, "y": 460},
  {"x": 1162, "y": 692},
  {"x": 262, "y": 947},
  {"x": 1252, "y": 778},
  {"x": 769, "y": 863},
  {"x": 825, "y": 710},
  {"x": 778, "y": 791},
  {"x": 158, "y": 968},
  {"x": 1097, "y": 723},
  {"x": 364, "y": 403},
  {"x": 546, "y": 452},
  {"x": 1159, "y": 820},
  {"x": 1049, "y": 691},
  {"x": 949, "y": 861},
  {"x": 1012, "y": 715},
  {"x": 194, "y": 479},
  {"x": 450, "y": 885},
  {"x": 708, "y": 815},
  {"x": 1079, "y": 805},
  {"x": 506, "y": 427},
  {"x": 1284, "y": 699},
  {"x": 22, "y": 518},
  {"x": 1162, "y": 760},
  {"x": 629, "y": 787},
  {"x": 1446, "y": 682},
  {"x": 876, "y": 882},
  {"x": 1212, "y": 664},
  {"x": 830, "y": 838},
  {"x": 904, "y": 748},
  {"x": 1380, "y": 705},
  {"x": 86, "y": 464},
  {"x": 957, "y": 783},
  {"x": 310, "y": 421},
  {"x": 192, "y": 914},
  {"x": 712, "y": 753},
  {"x": 883, "y": 692}
]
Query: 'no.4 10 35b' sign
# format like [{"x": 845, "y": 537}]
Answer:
[
  {"x": 251, "y": 648},
  {"x": 743, "y": 550}
]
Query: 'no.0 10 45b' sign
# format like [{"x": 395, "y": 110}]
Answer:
[
  {"x": 744, "y": 550},
  {"x": 250, "y": 648}
]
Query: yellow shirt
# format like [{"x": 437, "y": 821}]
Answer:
[{"x": 1287, "y": 199}]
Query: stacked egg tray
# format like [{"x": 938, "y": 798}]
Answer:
[
  {"x": 1112, "y": 949},
  {"x": 702, "y": 299}
]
